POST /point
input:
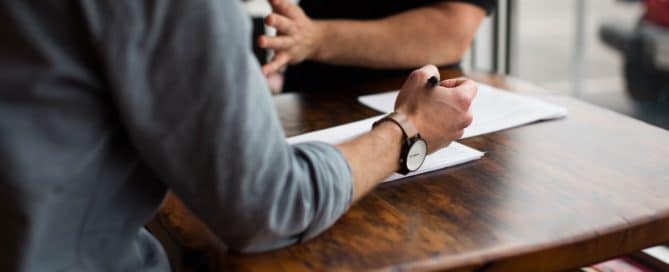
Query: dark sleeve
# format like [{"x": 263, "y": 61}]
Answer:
[
  {"x": 198, "y": 110},
  {"x": 487, "y": 5}
]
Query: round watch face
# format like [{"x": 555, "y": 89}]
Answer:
[{"x": 416, "y": 155}]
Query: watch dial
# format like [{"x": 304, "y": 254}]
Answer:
[{"x": 416, "y": 155}]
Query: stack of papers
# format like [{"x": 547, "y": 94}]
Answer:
[
  {"x": 452, "y": 155},
  {"x": 493, "y": 110}
]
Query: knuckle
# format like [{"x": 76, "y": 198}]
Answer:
[
  {"x": 432, "y": 68},
  {"x": 414, "y": 73},
  {"x": 462, "y": 100},
  {"x": 298, "y": 11},
  {"x": 420, "y": 74},
  {"x": 473, "y": 87},
  {"x": 467, "y": 120},
  {"x": 273, "y": 19},
  {"x": 459, "y": 134},
  {"x": 290, "y": 27}
]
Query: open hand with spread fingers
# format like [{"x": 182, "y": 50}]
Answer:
[{"x": 297, "y": 35}]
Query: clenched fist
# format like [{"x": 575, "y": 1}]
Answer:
[{"x": 440, "y": 114}]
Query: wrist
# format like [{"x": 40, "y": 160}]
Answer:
[
  {"x": 413, "y": 148},
  {"x": 321, "y": 32},
  {"x": 388, "y": 132}
]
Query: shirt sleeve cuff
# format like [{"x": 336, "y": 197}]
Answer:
[{"x": 333, "y": 180}]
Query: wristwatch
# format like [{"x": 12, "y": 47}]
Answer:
[{"x": 414, "y": 148}]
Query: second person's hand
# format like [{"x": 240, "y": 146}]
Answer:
[{"x": 297, "y": 35}]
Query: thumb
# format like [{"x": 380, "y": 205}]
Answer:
[{"x": 453, "y": 82}]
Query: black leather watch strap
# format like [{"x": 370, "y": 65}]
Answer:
[
  {"x": 410, "y": 137},
  {"x": 402, "y": 121}
]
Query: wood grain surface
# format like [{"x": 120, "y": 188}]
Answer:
[{"x": 548, "y": 196}]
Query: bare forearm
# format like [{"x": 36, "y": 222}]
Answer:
[
  {"x": 437, "y": 34},
  {"x": 373, "y": 157}
]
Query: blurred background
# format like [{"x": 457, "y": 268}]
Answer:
[{"x": 607, "y": 52}]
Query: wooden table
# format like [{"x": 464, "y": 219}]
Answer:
[{"x": 549, "y": 196}]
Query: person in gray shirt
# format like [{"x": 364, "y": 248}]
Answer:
[{"x": 105, "y": 105}]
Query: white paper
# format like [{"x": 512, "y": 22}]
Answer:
[
  {"x": 452, "y": 155},
  {"x": 493, "y": 109},
  {"x": 659, "y": 252}
]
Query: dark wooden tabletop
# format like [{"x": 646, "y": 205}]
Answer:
[{"x": 548, "y": 196}]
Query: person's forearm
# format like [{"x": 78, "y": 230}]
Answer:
[
  {"x": 438, "y": 34},
  {"x": 373, "y": 157}
]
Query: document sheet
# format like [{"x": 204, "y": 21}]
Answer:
[
  {"x": 493, "y": 109},
  {"x": 452, "y": 155}
]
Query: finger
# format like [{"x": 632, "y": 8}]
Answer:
[
  {"x": 275, "y": 82},
  {"x": 463, "y": 95},
  {"x": 453, "y": 82},
  {"x": 286, "y": 8},
  {"x": 421, "y": 75},
  {"x": 281, "y": 23},
  {"x": 275, "y": 65},
  {"x": 467, "y": 120},
  {"x": 459, "y": 134},
  {"x": 276, "y": 43},
  {"x": 469, "y": 88}
]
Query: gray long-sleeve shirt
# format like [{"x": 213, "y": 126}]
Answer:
[{"x": 104, "y": 105}]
